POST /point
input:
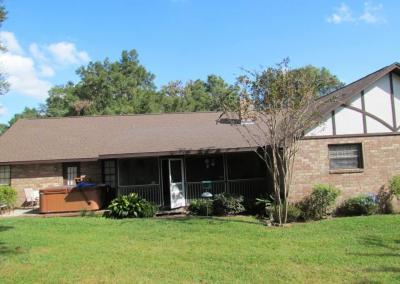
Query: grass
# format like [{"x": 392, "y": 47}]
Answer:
[{"x": 230, "y": 250}]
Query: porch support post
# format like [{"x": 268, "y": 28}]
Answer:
[{"x": 225, "y": 162}]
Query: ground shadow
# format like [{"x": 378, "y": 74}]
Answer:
[
  {"x": 388, "y": 249},
  {"x": 5, "y": 228},
  {"x": 6, "y": 249},
  {"x": 189, "y": 219}
]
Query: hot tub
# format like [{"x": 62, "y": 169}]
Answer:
[{"x": 71, "y": 199}]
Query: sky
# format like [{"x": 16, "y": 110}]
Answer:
[{"x": 48, "y": 40}]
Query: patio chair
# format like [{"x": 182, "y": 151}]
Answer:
[{"x": 31, "y": 196}]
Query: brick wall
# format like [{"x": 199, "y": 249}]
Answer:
[
  {"x": 39, "y": 176},
  {"x": 381, "y": 156}
]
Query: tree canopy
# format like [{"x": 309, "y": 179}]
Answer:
[
  {"x": 3, "y": 83},
  {"x": 125, "y": 86}
]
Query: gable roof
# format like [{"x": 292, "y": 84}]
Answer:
[
  {"x": 96, "y": 137},
  {"x": 343, "y": 95},
  {"x": 100, "y": 137}
]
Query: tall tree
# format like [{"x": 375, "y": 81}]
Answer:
[
  {"x": 278, "y": 105},
  {"x": 197, "y": 95},
  {"x": 119, "y": 87},
  {"x": 3, "y": 83}
]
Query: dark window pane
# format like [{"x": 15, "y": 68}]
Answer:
[
  {"x": 5, "y": 175},
  {"x": 176, "y": 170},
  {"x": 204, "y": 168},
  {"x": 138, "y": 171},
  {"x": 345, "y": 156},
  {"x": 245, "y": 166}
]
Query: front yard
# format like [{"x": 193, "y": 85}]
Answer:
[{"x": 237, "y": 249}]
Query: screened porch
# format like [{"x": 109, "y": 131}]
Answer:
[{"x": 174, "y": 181}]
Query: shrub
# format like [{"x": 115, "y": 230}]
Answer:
[
  {"x": 384, "y": 201},
  {"x": 201, "y": 207},
  {"x": 131, "y": 206},
  {"x": 227, "y": 204},
  {"x": 319, "y": 203},
  {"x": 8, "y": 196},
  {"x": 294, "y": 213},
  {"x": 394, "y": 186},
  {"x": 264, "y": 207},
  {"x": 360, "y": 205}
]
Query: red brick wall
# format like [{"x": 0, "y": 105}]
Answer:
[
  {"x": 39, "y": 176},
  {"x": 381, "y": 156}
]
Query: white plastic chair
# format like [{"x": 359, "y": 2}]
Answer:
[{"x": 31, "y": 196}]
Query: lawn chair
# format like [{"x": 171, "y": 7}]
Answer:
[{"x": 31, "y": 196}]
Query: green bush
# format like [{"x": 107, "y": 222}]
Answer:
[
  {"x": 131, "y": 206},
  {"x": 8, "y": 196},
  {"x": 294, "y": 213},
  {"x": 201, "y": 207},
  {"x": 227, "y": 204},
  {"x": 264, "y": 207},
  {"x": 394, "y": 186},
  {"x": 357, "y": 206},
  {"x": 319, "y": 203},
  {"x": 384, "y": 201}
]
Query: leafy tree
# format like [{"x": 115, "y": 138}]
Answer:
[
  {"x": 3, "y": 83},
  {"x": 324, "y": 81},
  {"x": 279, "y": 105},
  {"x": 26, "y": 113},
  {"x": 197, "y": 95},
  {"x": 119, "y": 87},
  {"x": 3, "y": 128}
]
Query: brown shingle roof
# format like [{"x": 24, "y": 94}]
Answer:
[
  {"x": 96, "y": 137},
  {"x": 80, "y": 138}
]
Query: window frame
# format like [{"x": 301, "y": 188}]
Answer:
[
  {"x": 65, "y": 171},
  {"x": 360, "y": 158},
  {"x": 9, "y": 174}
]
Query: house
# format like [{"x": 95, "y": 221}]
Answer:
[{"x": 171, "y": 159}]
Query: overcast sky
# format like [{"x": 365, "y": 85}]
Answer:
[{"x": 48, "y": 40}]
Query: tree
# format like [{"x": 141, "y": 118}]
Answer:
[
  {"x": 4, "y": 86},
  {"x": 119, "y": 87},
  {"x": 3, "y": 128},
  {"x": 26, "y": 113},
  {"x": 197, "y": 95},
  {"x": 278, "y": 105},
  {"x": 323, "y": 79}
]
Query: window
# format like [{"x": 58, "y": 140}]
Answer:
[
  {"x": 204, "y": 168},
  {"x": 345, "y": 156},
  {"x": 70, "y": 172},
  {"x": 109, "y": 173},
  {"x": 141, "y": 171},
  {"x": 245, "y": 166},
  {"x": 5, "y": 175}
]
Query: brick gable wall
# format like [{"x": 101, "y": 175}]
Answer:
[{"x": 381, "y": 155}]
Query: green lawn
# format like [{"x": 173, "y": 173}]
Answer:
[{"x": 239, "y": 249}]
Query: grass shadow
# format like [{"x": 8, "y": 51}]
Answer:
[{"x": 189, "y": 219}]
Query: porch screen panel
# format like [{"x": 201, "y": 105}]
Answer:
[
  {"x": 204, "y": 168},
  {"x": 5, "y": 175},
  {"x": 109, "y": 173},
  {"x": 141, "y": 171},
  {"x": 245, "y": 166}
]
